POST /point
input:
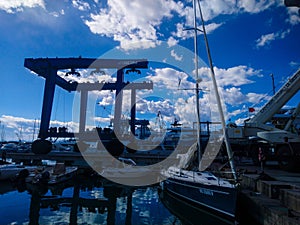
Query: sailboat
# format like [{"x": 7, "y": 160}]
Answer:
[{"x": 204, "y": 189}]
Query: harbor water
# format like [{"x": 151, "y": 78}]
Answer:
[{"x": 94, "y": 200}]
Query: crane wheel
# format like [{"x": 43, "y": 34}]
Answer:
[
  {"x": 41, "y": 147},
  {"x": 285, "y": 158},
  {"x": 115, "y": 147}
]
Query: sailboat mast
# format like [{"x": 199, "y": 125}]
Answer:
[
  {"x": 228, "y": 147},
  {"x": 197, "y": 84}
]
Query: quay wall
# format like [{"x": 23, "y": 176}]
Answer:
[{"x": 268, "y": 201}]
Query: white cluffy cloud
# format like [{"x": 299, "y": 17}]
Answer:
[
  {"x": 254, "y": 6},
  {"x": 294, "y": 17},
  {"x": 178, "y": 87},
  {"x": 234, "y": 76},
  {"x": 12, "y": 6},
  {"x": 87, "y": 76},
  {"x": 268, "y": 38},
  {"x": 136, "y": 24},
  {"x": 176, "y": 56},
  {"x": 132, "y": 21},
  {"x": 172, "y": 41},
  {"x": 214, "y": 8},
  {"x": 170, "y": 79},
  {"x": 81, "y": 5}
]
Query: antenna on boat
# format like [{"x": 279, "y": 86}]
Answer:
[{"x": 228, "y": 147}]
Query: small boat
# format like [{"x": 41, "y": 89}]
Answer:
[
  {"x": 9, "y": 147},
  {"x": 52, "y": 175},
  {"x": 125, "y": 172},
  {"x": 11, "y": 171},
  {"x": 65, "y": 145}
]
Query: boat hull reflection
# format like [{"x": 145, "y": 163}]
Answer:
[{"x": 188, "y": 213}]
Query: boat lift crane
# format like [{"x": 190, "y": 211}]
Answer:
[
  {"x": 283, "y": 142},
  {"x": 284, "y": 94},
  {"x": 48, "y": 68}
]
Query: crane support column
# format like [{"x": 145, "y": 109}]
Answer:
[
  {"x": 83, "y": 107},
  {"x": 119, "y": 98},
  {"x": 133, "y": 111},
  {"x": 49, "y": 90}
]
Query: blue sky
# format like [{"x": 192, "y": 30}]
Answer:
[{"x": 249, "y": 40}]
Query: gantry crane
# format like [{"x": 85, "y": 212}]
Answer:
[{"x": 48, "y": 68}]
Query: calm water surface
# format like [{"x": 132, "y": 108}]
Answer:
[{"x": 93, "y": 200}]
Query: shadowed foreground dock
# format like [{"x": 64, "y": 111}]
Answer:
[{"x": 271, "y": 198}]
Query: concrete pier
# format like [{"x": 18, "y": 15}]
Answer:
[{"x": 271, "y": 198}]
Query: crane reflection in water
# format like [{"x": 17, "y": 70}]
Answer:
[{"x": 95, "y": 200}]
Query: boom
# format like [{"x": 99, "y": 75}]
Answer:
[{"x": 285, "y": 93}]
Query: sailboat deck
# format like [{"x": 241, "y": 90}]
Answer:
[{"x": 203, "y": 177}]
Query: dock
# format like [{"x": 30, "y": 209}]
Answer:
[
  {"x": 76, "y": 158},
  {"x": 270, "y": 198}
]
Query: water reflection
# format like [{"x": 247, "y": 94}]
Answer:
[
  {"x": 94, "y": 200},
  {"x": 188, "y": 214},
  {"x": 56, "y": 200}
]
